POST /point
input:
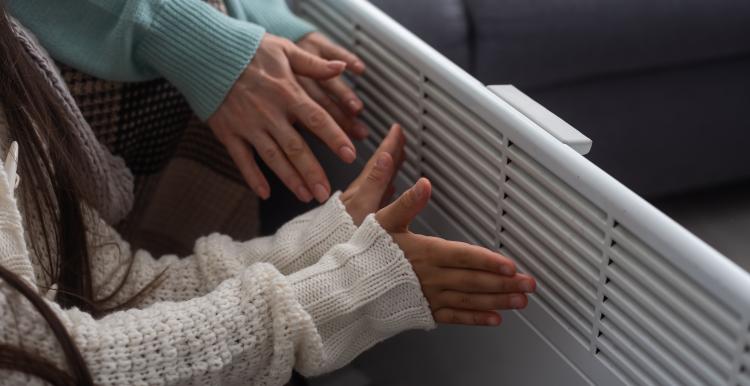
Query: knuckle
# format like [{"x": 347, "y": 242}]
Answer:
[
  {"x": 287, "y": 90},
  {"x": 375, "y": 175},
  {"x": 316, "y": 119},
  {"x": 452, "y": 317},
  {"x": 270, "y": 153},
  {"x": 294, "y": 147},
  {"x": 327, "y": 103}
]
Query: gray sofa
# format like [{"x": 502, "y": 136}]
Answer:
[{"x": 662, "y": 87}]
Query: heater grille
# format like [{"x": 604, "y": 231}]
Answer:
[
  {"x": 660, "y": 321},
  {"x": 630, "y": 295}
]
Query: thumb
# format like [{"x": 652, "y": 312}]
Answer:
[
  {"x": 306, "y": 64},
  {"x": 397, "y": 216},
  {"x": 378, "y": 178}
]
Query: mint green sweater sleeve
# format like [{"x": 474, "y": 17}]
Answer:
[
  {"x": 197, "y": 48},
  {"x": 275, "y": 16}
]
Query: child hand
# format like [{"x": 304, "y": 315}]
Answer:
[
  {"x": 374, "y": 186},
  {"x": 463, "y": 283}
]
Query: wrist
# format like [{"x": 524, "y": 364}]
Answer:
[
  {"x": 277, "y": 18},
  {"x": 202, "y": 57}
]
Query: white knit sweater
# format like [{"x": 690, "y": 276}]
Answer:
[{"x": 312, "y": 297}]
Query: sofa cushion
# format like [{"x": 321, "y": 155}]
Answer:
[
  {"x": 539, "y": 42},
  {"x": 442, "y": 24}
]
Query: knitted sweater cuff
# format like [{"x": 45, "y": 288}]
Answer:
[
  {"x": 277, "y": 18},
  {"x": 200, "y": 50},
  {"x": 314, "y": 233},
  {"x": 359, "y": 294}
]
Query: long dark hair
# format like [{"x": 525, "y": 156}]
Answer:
[{"x": 50, "y": 194}]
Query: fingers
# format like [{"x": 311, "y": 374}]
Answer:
[
  {"x": 467, "y": 256},
  {"x": 303, "y": 160},
  {"x": 276, "y": 159},
  {"x": 391, "y": 144},
  {"x": 378, "y": 179},
  {"x": 342, "y": 117},
  {"x": 320, "y": 123},
  {"x": 394, "y": 142},
  {"x": 479, "y": 302},
  {"x": 243, "y": 158},
  {"x": 306, "y": 64},
  {"x": 339, "y": 89},
  {"x": 397, "y": 216},
  {"x": 471, "y": 318},
  {"x": 333, "y": 51},
  {"x": 466, "y": 280}
]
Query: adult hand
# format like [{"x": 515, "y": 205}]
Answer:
[
  {"x": 334, "y": 94},
  {"x": 374, "y": 185},
  {"x": 260, "y": 109},
  {"x": 464, "y": 284}
]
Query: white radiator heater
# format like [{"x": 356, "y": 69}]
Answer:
[{"x": 626, "y": 295}]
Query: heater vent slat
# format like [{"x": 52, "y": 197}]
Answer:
[
  {"x": 551, "y": 291},
  {"x": 669, "y": 304},
  {"x": 577, "y": 277},
  {"x": 403, "y": 113},
  {"x": 460, "y": 165},
  {"x": 380, "y": 74},
  {"x": 633, "y": 250},
  {"x": 640, "y": 343},
  {"x": 563, "y": 190},
  {"x": 622, "y": 365},
  {"x": 664, "y": 316},
  {"x": 744, "y": 378},
  {"x": 641, "y": 369},
  {"x": 485, "y": 152},
  {"x": 577, "y": 293},
  {"x": 329, "y": 21},
  {"x": 656, "y": 337},
  {"x": 387, "y": 58},
  {"x": 586, "y": 235},
  {"x": 463, "y": 199},
  {"x": 464, "y": 193},
  {"x": 441, "y": 101},
  {"x": 557, "y": 236}
]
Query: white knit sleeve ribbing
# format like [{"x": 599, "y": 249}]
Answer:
[{"x": 298, "y": 244}]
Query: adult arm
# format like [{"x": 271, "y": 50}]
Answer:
[{"x": 194, "y": 46}]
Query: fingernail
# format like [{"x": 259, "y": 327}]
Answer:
[
  {"x": 321, "y": 193},
  {"x": 354, "y": 105},
  {"x": 382, "y": 161},
  {"x": 527, "y": 286},
  {"x": 493, "y": 320},
  {"x": 358, "y": 66},
  {"x": 262, "y": 191},
  {"x": 517, "y": 301},
  {"x": 360, "y": 129},
  {"x": 347, "y": 154},
  {"x": 336, "y": 65},
  {"x": 304, "y": 194},
  {"x": 507, "y": 271},
  {"x": 419, "y": 188}
]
